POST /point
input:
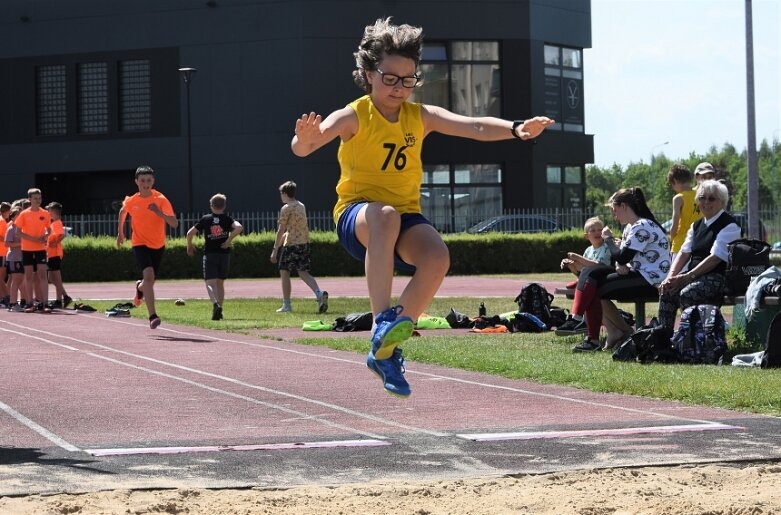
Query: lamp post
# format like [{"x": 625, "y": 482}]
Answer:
[
  {"x": 653, "y": 149},
  {"x": 187, "y": 75}
]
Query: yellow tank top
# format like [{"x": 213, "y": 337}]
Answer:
[
  {"x": 690, "y": 213},
  {"x": 381, "y": 162}
]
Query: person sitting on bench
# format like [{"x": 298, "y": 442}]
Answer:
[
  {"x": 643, "y": 260},
  {"x": 705, "y": 251}
]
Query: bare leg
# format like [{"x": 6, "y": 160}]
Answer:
[
  {"x": 41, "y": 284},
  {"x": 3, "y": 287},
  {"x": 284, "y": 275},
  {"x": 422, "y": 246},
  {"x": 55, "y": 277},
  {"x": 27, "y": 286},
  {"x": 148, "y": 287},
  {"x": 617, "y": 328},
  {"x": 309, "y": 280},
  {"x": 216, "y": 290},
  {"x": 377, "y": 228}
]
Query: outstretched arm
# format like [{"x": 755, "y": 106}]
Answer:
[
  {"x": 312, "y": 132},
  {"x": 486, "y": 128}
]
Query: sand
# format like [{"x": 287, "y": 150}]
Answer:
[{"x": 692, "y": 489}]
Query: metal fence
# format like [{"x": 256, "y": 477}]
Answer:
[{"x": 509, "y": 220}]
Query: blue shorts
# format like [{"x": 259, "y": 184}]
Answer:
[{"x": 345, "y": 229}]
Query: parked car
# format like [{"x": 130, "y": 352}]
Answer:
[{"x": 515, "y": 224}]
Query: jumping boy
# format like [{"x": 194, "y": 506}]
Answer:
[
  {"x": 54, "y": 254},
  {"x": 378, "y": 212},
  {"x": 291, "y": 248},
  {"x": 34, "y": 225},
  {"x": 149, "y": 212},
  {"x": 218, "y": 230},
  {"x": 685, "y": 209}
]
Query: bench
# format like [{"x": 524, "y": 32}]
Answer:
[{"x": 755, "y": 329}]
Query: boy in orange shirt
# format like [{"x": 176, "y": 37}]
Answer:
[
  {"x": 54, "y": 255},
  {"x": 5, "y": 212},
  {"x": 34, "y": 225},
  {"x": 149, "y": 211}
]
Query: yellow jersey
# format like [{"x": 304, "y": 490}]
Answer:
[
  {"x": 382, "y": 162},
  {"x": 690, "y": 213}
]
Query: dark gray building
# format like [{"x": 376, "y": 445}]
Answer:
[{"x": 89, "y": 89}]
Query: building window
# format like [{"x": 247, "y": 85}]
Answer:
[
  {"x": 456, "y": 196},
  {"x": 51, "y": 100},
  {"x": 92, "y": 79},
  {"x": 135, "y": 96},
  {"x": 462, "y": 76},
  {"x": 565, "y": 186},
  {"x": 564, "y": 87}
]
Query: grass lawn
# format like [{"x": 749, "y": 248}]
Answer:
[{"x": 544, "y": 358}]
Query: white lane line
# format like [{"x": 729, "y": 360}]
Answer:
[
  {"x": 542, "y": 435},
  {"x": 333, "y": 407},
  {"x": 56, "y": 440},
  {"x": 440, "y": 377},
  {"x": 220, "y": 448}
]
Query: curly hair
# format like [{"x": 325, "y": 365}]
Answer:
[
  {"x": 679, "y": 172},
  {"x": 385, "y": 37}
]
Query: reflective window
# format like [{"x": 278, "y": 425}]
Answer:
[
  {"x": 135, "y": 95},
  {"x": 552, "y": 55},
  {"x": 571, "y": 58},
  {"x": 92, "y": 97},
  {"x": 565, "y": 186},
  {"x": 51, "y": 100},
  {"x": 470, "y": 193},
  {"x": 554, "y": 174},
  {"x": 572, "y": 174}
]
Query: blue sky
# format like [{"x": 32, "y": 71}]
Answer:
[{"x": 675, "y": 71}]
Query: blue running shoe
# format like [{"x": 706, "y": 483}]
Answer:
[
  {"x": 390, "y": 330},
  {"x": 391, "y": 373}
]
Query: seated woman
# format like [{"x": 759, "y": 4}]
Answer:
[
  {"x": 705, "y": 251},
  {"x": 642, "y": 263}
]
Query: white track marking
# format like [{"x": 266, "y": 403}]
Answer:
[
  {"x": 330, "y": 406},
  {"x": 38, "y": 428},
  {"x": 219, "y": 448},
  {"x": 623, "y": 431}
]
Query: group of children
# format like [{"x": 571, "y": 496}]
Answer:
[
  {"x": 31, "y": 254},
  {"x": 685, "y": 212}
]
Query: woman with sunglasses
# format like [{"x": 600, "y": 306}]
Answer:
[
  {"x": 705, "y": 253},
  {"x": 642, "y": 262},
  {"x": 378, "y": 212}
]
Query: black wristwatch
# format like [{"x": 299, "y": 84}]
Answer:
[{"x": 516, "y": 123}]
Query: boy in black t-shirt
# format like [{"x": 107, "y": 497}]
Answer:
[{"x": 218, "y": 230}]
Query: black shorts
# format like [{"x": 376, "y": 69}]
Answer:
[
  {"x": 146, "y": 257},
  {"x": 55, "y": 263},
  {"x": 295, "y": 257},
  {"x": 33, "y": 258},
  {"x": 216, "y": 265},
  {"x": 14, "y": 267}
]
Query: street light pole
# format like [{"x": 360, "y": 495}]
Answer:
[
  {"x": 187, "y": 75},
  {"x": 654, "y": 148}
]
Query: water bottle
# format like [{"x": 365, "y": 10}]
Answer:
[{"x": 481, "y": 309}]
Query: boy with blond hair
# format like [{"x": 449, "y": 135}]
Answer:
[{"x": 34, "y": 225}]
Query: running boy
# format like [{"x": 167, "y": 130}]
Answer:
[
  {"x": 34, "y": 225},
  {"x": 219, "y": 230},
  {"x": 54, "y": 254},
  {"x": 378, "y": 212},
  {"x": 149, "y": 213},
  {"x": 685, "y": 209},
  {"x": 291, "y": 248}
]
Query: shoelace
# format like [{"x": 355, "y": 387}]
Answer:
[{"x": 398, "y": 360}]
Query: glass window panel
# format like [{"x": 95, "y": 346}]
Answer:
[
  {"x": 554, "y": 175},
  {"x": 480, "y": 173},
  {"x": 571, "y": 57},
  {"x": 572, "y": 175},
  {"x": 573, "y": 127},
  {"x": 135, "y": 95},
  {"x": 475, "y": 50},
  {"x": 474, "y": 204},
  {"x": 434, "y": 52},
  {"x": 552, "y": 55},
  {"x": 92, "y": 97},
  {"x": 476, "y": 89},
  {"x": 434, "y": 90},
  {"x": 439, "y": 174},
  {"x": 51, "y": 100},
  {"x": 435, "y": 205},
  {"x": 572, "y": 74}
]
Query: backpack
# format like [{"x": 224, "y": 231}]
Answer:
[
  {"x": 354, "y": 322},
  {"x": 701, "y": 337},
  {"x": 526, "y": 323},
  {"x": 772, "y": 355},
  {"x": 650, "y": 343},
  {"x": 747, "y": 259},
  {"x": 535, "y": 300}
]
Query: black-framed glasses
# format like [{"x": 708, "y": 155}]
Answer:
[
  {"x": 390, "y": 79},
  {"x": 708, "y": 199}
]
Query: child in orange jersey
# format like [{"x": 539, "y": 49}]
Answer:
[
  {"x": 54, "y": 255},
  {"x": 34, "y": 225},
  {"x": 5, "y": 212},
  {"x": 149, "y": 211},
  {"x": 13, "y": 262}
]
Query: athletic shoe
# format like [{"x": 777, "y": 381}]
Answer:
[
  {"x": 154, "y": 322},
  {"x": 29, "y": 308},
  {"x": 286, "y": 308},
  {"x": 391, "y": 373},
  {"x": 66, "y": 301},
  {"x": 587, "y": 345},
  {"x": 118, "y": 312},
  {"x": 139, "y": 297},
  {"x": 217, "y": 312},
  {"x": 389, "y": 331},
  {"x": 571, "y": 327},
  {"x": 16, "y": 308},
  {"x": 322, "y": 302},
  {"x": 44, "y": 308}
]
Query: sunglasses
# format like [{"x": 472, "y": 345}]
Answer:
[{"x": 707, "y": 199}]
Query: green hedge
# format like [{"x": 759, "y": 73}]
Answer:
[{"x": 99, "y": 259}]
